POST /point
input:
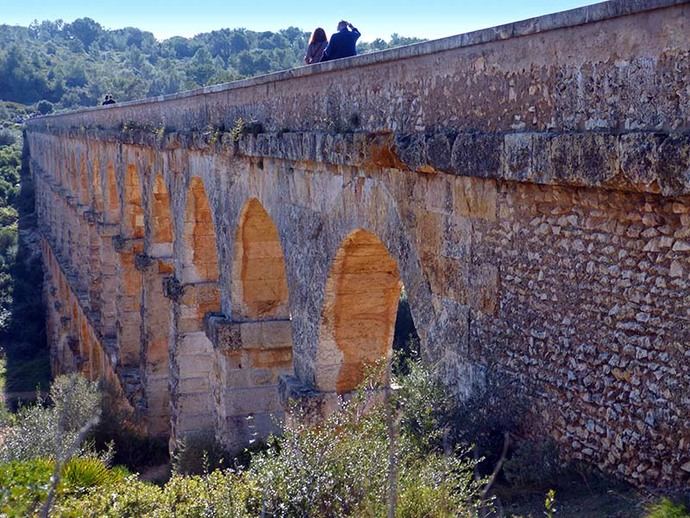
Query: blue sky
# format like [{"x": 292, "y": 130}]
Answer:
[{"x": 374, "y": 18}]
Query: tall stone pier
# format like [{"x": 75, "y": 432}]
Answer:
[{"x": 216, "y": 253}]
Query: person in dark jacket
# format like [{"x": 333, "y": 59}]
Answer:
[
  {"x": 108, "y": 100},
  {"x": 343, "y": 43},
  {"x": 317, "y": 44}
]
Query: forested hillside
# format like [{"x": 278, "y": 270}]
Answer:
[{"x": 66, "y": 65}]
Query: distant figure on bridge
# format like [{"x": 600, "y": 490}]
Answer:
[
  {"x": 317, "y": 44},
  {"x": 108, "y": 100},
  {"x": 343, "y": 43}
]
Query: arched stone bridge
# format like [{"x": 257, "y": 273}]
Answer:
[{"x": 217, "y": 252}]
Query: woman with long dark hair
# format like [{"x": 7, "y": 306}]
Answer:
[{"x": 317, "y": 44}]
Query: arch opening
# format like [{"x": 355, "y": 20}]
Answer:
[
  {"x": 72, "y": 174},
  {"x": 359, "y": 313},
  {"x": 83, "y": 181},
  {"x": 161, "y": 221},
  {"x": 201, "y": 258},
  {"x": 111, "y": 182},
  {"x": 259, "y": 284},
  {"x": 96, "y": 186},
  {"x": 406, "y": 343},
  {"x": 134, "y": 211}
]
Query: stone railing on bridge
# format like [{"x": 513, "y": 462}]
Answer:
[{"x": 528, "y": 184}]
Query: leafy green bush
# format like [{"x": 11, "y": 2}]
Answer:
[
  {"x": 44, "y": 107},
  {"x": 220, "y": 493},
  {"x": 342, "y": 466},
  {"x": 8, "y": 216},
  {"x": 7, "y": 137},
  {"x": 126, "y": 498},
  {"x": 24, "y": 484},
  {"x": 665, "y": 508},
  {"x": 426, "y": 408},
  {"x": 48, "y": 431},
  {"x": 83, "y": 473}
]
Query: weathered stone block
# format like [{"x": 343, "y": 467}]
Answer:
[
  {"x": 475, "y": 198},
  {"x": 224, "y": 334},
  {"x": 674, "y": 164},
  {"x": 477, "y": 155},
  {"x": 639, "y": 157},
  {"x": 517, "y": 156}
]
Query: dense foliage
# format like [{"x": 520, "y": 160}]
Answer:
[
  {"x": 341, "y": 467},
  {"x": 10, "y": 165},
  {"x": 665, "y": 508},
  {"x": 44, "y": 431},
  {"x": 67, "y": 65},
  {"x": 22, "y": 330}
]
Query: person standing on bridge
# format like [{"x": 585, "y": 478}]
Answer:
[
  {"x": 317, "y": 44},
  {"x": 343, "y": 43}
]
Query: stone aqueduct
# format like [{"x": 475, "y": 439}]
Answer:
[{"x": 529, "y": 184}]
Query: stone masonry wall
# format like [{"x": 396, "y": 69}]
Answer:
[{"x": 527, "y": 184}]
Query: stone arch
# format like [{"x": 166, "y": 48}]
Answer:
[
  {"x": 59, "y": 160},
  {"x": 83, "y": 180},
  {"x": 161, "y": 219},
  {"x": 72, "y": 172},
  {"x": 113, "y": 202},
  {"x": 96, "y": 186},
  {"x": 200, "y": 253},
  {"x": 133, "y": 208},
  {"x": 259, "y": 284},
  {"x": 359, "y": 311}
]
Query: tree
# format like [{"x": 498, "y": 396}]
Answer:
[
  {"x": 20, "y": 81},
  {"x": 75, "y": 75},
  {"x": 73, "y": 64},
  {"x": 239, "y": 41},
  {"x": 85, "y": 30},
  {"x": 399, "y": 41},
  {"x": 44, "y": 107},
  {"x": 181, "y": 47},
  {"x": 201, "y": 68}
]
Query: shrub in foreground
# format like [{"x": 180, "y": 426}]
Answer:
[
  {"x": 353, "y": 463},
  {"x": 47, "y": 431},
  {"x": 24, "y": 483},
  {"x": 665, "y": 508}
]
